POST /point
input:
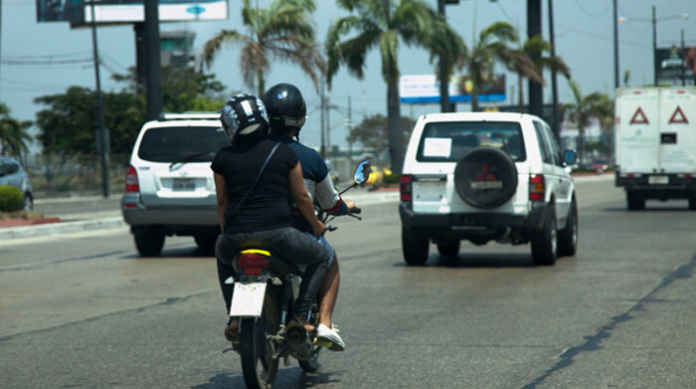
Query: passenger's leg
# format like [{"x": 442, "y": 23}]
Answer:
[{"x": 328, "y": 293}]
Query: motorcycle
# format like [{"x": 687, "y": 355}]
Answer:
[{"x": 264, "y": 293}]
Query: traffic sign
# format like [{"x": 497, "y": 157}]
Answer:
[
  {"x": 639, "y": 120},
  {"x": 678, "y": 117}
]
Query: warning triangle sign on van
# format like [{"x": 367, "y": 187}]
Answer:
[
  {"x": 678, "y": 117},
  {"x": 639, "y": 117}
]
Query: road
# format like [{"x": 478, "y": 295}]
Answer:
[{"x": 85, "y": 311}]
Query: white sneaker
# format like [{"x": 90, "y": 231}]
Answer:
[{"x": 330, "y": 337}]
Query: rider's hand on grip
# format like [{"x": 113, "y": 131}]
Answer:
[{"x": 355, "y": 211}]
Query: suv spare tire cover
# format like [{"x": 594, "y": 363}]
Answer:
[{"x": 485, "y": 177}]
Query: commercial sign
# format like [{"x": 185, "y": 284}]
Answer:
[
  {"x": 425, "y": 88},
  {"x": 675, "y": 62},
  {"x": 112, "y": 12}
]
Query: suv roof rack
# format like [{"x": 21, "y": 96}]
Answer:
[{"x": 189, "y": 116}]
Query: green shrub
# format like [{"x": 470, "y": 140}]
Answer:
[
  {"x": 11, "y": 199},
  {"x": 392, "y": 178}
]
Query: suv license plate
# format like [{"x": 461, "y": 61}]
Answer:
[
  {"x": 658, "y": 180},
  {"x": 181, "y": 185}
]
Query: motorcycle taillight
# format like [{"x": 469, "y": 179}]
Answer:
[{"x": 252, "y": 260}]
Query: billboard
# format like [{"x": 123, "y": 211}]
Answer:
[
  {"x": 674, "y": 62},
  {"x": 425, "y": 88},
  {"x": 114, "y": 12}
]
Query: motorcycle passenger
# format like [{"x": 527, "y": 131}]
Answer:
[
  {"x": 260, "y": 216},
  {"x": 287, "y": 113}
]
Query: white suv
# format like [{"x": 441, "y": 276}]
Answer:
[
  {"x": 169, "y": 185},
  {"x": 483, "y": 177}
]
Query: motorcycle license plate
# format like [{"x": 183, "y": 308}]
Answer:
[{"x": 247, "y": 300}]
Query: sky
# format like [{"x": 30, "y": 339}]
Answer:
[{"x": 583, "y": 34}]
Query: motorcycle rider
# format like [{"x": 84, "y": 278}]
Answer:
[
  {"x": 253, "y": 209},
  {"x": 287, "y": 113}
]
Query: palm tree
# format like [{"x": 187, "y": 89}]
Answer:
[
  {"x": 380, "y": 24},
  {"x": 532, "y": 51},
  {"x": 596, "y": 105},
  {"x": 492, "y": 46},
  {"x": 447, "y": 47},
  {"x": 282, "y": 32},
  {"x": 13, "y": 134}
]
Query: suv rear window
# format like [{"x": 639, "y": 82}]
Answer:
[
  {"x": 449, "y": 141},
  {"x": 171, "y": 144}
]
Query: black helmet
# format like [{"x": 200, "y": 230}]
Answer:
[
  {"x": 287, "y": 111},
  {"x": 244, "y": 117}
]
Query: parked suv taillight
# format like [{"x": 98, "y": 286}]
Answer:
[
  {"x": 537, "y": 187},
  {"x": 405, "y": 187},
  {"x": 132, "y": 180}
]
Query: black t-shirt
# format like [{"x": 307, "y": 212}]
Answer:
[{"x": 267, "y": 206}]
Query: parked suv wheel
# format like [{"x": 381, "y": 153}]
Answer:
[
  {"x": 415, "y": 246},
  {"x": 206, "y": 243},
  {"x": 544, "y": 243},
  {"x": 485, "y": 177},
  {"x": 149, "y": 241},
  {"x": 568, "y": 237}
]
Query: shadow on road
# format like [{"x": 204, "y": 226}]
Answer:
[
  {"x": 292, "y": 378},
  {"x": 478, "y": 260}
]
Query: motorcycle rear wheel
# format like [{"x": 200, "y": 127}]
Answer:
[
  {"x": 311, "y": 365},
  {"x": 258, "y": 365}
]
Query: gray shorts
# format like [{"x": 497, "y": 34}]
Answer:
[{"x": 287, "y": 243}]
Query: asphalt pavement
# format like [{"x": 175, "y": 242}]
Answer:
[{"x": 90, "y": 213}]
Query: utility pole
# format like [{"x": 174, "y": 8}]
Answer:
[
  {"x": 616, "y": 45},
  {"x": 533, "y": 29},
  {"x": 683, "y": 57},
  {"x": 350, "y": 133},
  {"x": 153, "y": 74},
  {"x": 445, "y": 105},
  {"x": 555, "y": 120},
  {"x": 328, "y": 128},
  {"x": 322, "y": 149},
  {"x": 654, "y": 26},
  {"x": 102, "y": 135}
]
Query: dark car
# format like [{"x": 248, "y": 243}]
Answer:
[
  {"x": 600, "y": 165},
  {"x": 12, "y": 174}
]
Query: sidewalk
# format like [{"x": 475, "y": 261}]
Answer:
[{"x": 91, "y": 221}]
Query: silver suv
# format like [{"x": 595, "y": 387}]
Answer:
[
  {"x": 169, "y": 185},
  {"x": 12, "y": 174},
  {"x": 483, "y": 177}
]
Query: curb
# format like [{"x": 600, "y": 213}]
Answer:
[{"x": 44, "y": 230}]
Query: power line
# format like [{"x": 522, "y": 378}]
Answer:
[
  {"x": 46, "y": 62},
  {"x": 590, "y": 13},
  {"x": 599, "y": 36}
]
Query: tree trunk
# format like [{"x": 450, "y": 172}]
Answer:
[{"x": 396, "y": 152}]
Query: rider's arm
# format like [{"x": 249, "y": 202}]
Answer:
[
  {"x": 303, "y": 201},
  {"x": 330, "y": 201},
  {"x": 221, "y": 190}
]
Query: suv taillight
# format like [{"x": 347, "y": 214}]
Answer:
[
  {"x": 132, "y": 180},
  {"x": 536, "y": 187},
  {"x": 405, "y": 187}
]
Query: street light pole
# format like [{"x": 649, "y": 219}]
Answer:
[{"x": 555, "y": 120}]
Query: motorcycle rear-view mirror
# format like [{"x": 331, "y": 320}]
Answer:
[
  {"x": 360, "y": 175},
  {"x": 362, "y": 172}
]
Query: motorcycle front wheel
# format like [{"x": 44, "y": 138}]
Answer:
[{"x": 258, "y": 365}]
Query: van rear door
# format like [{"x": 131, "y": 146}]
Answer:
[
  {"x": 678, "y": 130},
  {"x": 637, "y": 135}
]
